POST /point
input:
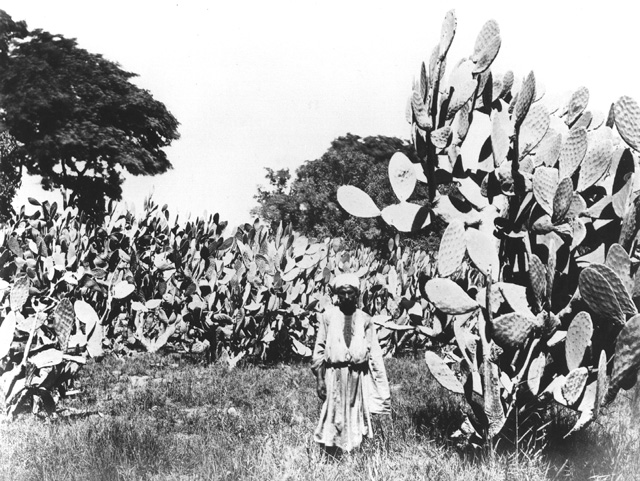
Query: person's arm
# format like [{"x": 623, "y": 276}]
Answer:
[
  {"x": 380, "y": 402},
  {"x": 318, "y": 363}
]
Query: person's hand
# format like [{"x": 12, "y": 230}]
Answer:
[{"x": 321, "y": 389}]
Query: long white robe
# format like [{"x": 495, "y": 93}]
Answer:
[{"x": 355, "y": 376}]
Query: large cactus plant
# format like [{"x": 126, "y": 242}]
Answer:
[{"x": 536, "y": 287}]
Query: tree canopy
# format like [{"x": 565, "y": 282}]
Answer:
[
  {"x": 77, "y": 118},
  {"x": 310, "y": 203}
]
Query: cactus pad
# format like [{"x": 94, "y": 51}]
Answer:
[
  {"x": 452, "y": 248},
  {"x": 595, "y": 164},
  {"x": 577, "y": 103},
  {"x": 534, "y": 128},
  {"x": 420, "y": 111},
  {"x": 449, "y": 297},
  {"x": 464, "y": 86},
  {"x": 603, "y": 381},
  {"x": 622, "y": 198},
  {"x": 545, "y": 184},
  {"x": 483, "y": 252},
  {"x": 538, "y": 278},
  {"x": 584, "y": 121},
  {"x": 407, "y": 217},
  {"x": 19, "y": 293},
  {"x": 627, "y": 120},
  {"x": 548, "y": 150},
  {"x": 574, "y": 385},
  {"x": 402, "y": 176},
  {"x": 501, "y": 130},
  {"x": 512, "y": 330},
  {"x": 357, "y": 202},
  {"x": 599, "y": 295},
  {"x": 442, "y": 373},
  {"x": 441, "y": 137},
  {"x": 492, "y": 404},
  {"x": 622, "y": 295},
  {"x": 620, "y": 262},
  {"x": 562, "y": 199},
  {"x": 7, "y": 332},
  {"x": 64, "y": 318},
  {"x": 447, "y": 32},
  {"x": 525, "y": 98},
  {"x": 536, "y": 370},
  {"x": 516, "y": 297},
  {"x": 487, "y": 55},
  {"x": 578, "y": 339},
  {"x": 573, "y": 151},
  {"x": 627, "y": 356},
  {"x": 577, "y": 207}
]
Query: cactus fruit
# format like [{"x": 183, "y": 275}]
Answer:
[
  {"x": 578, "y": 339},
  {"x": 442, "y": 373},
  {"x": 452, "y": 248}
]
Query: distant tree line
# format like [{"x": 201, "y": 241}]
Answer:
[{"x": 309, "y": 200}]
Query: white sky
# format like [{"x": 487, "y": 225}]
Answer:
[{"x": 272, "y": 83}]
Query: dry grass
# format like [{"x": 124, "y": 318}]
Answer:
[{"x": 186, "y": 421}]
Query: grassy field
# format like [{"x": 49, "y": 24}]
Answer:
[{"x": 162, "y": 417}]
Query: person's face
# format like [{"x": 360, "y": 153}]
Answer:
[{"x": 347, "y": 299}]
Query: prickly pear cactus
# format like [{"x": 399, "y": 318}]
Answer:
[{"x": 536, "y": 289}]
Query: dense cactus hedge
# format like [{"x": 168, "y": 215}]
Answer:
[{"x": 70, "y": 290}]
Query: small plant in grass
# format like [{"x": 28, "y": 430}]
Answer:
[{"x": 535, "y": 290}]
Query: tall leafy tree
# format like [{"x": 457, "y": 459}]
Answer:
[
  {"x": 78, "y": 119},
  {"x": 309, "y": 202},
  {"x": 9, "y": 174}
]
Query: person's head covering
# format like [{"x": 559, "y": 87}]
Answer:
[{"x": 346, "y": 280}]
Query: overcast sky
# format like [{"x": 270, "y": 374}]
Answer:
[{"x": 272, "y": 83}]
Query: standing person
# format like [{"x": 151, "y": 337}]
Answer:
[{"x": 349, "y": 369}]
